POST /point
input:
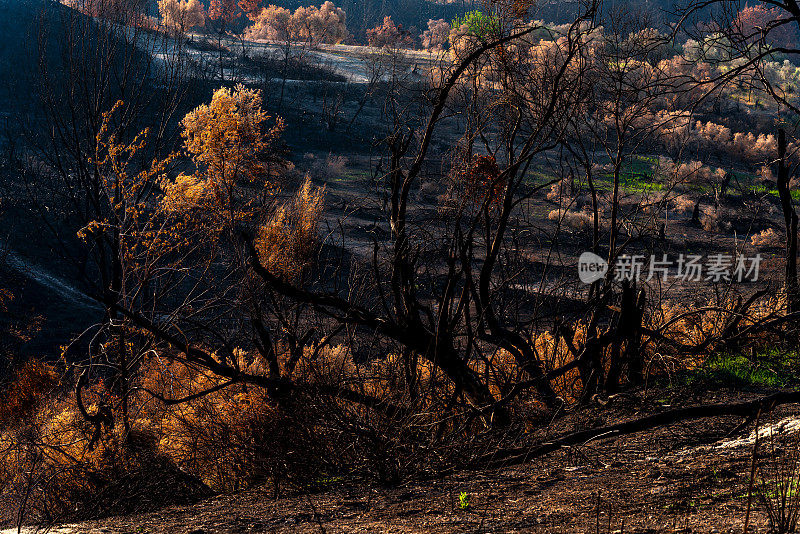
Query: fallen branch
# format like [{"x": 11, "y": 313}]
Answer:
[{"x": 743, "y": 409}]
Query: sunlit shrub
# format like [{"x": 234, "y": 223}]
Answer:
[
  {"x": 285, "y": 243},
  {"x": 577, "y": 220},
  {"x": 768, "y": 238},
  {"x": 53, "y": 468}
]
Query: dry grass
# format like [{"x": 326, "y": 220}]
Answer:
[
  {"x": 287, "y": 240},
  {"x": 768, "y": 238},
  {"x": 580, "y": 221}
]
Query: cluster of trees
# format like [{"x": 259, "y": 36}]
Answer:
[
  {"x": 773, "y": 22},
  {"x": 439, "y": 34},
  {"x": 390, "y": 35},
  {"x": 436, "y": 37},
  {"x": 713, "y": 140},
  {"x": 182, "y": 15},
  {"x": 601, "y": 92},
  {"x": 326, "y": 24}
]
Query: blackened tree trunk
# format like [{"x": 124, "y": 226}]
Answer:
[{"x": 790, "y": 218}]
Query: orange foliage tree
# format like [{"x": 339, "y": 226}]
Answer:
[
  {"x": 389, "y": 34},
  {"x": 271, "y": 22},
  {"x": 326, "y": 24},
  {"x": 181, "y": 15},
  {"x": 250, "y": 8},
  {"x": 772, "y": 23},
  {"x": 230, "y": 141},
  {"x": 223, "y": 12}
]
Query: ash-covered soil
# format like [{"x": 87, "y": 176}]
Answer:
[{"x": 689, "y": 477}]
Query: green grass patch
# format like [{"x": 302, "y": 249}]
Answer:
[
  {"x": 636, "y": 176},
  {"x": 534, "y": 178},
  {"x": 634, "y": 185},
  {"x": 761, "y": 189},
  {"x": 767, "y": 369},
  {"x": 356, "y": 174}
]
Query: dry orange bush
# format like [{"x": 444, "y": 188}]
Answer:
[
  {"x": 238, "y": 435},
  {"x": 577, "y": 220},
  {"x": 229, "y": 439},
  {"x": 287, "y": 240},
  {"x": 51, "y": 468},
  {"x": 324, "y": 24},
  {"x": 683, "y": 204},
  {"x": 33, "y": 381},
  {"x": 693, "y": 327},
  {"x": 768, "y": 238}
]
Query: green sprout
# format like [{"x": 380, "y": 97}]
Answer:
[{"x": 463, "y": 500}]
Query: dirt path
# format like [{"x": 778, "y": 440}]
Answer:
[{"x": 41, "y": 276}]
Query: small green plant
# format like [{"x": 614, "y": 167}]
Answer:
[
  {"x": 463, "y": 500},
  {"x": 779, "y": 490}
]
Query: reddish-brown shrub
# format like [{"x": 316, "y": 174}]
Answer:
[{"x": 34, "y": 382}]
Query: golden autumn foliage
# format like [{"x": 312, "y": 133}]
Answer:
[
  {"x": 155, "y": 223},
  {"x": 287, "y": 240},
  {"x": 237, "y": 435},
  {"x": 326, "y": 24},
  {"x": 227, "y": 138},
  {"x": 34, "y": 380},
  {"x": 50, "y": 467},
  {"x": 230, "y": 143},
  {"x": 181, "y": 15},
  {"x": 129, "y": 217}
]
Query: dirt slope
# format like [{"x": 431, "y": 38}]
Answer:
[{"x": 686, "y": 478}]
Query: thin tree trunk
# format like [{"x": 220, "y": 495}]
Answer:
[{"x": 790, "y": 218}]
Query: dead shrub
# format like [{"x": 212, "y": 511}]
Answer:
[
  {"x": 558, "y": 191},
  {"x": 332, "y": 168},
  {"x": 768, "y": 238},
  {"x": 237, "y": 435},
  {"x": 683, "y": 204},
  {"x": 581, "y": 221},
  {"x": 717, "y": 220},
  {"x": 429, "y": 191}
]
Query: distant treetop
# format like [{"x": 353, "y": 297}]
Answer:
[{"x": 477, "y": 23}]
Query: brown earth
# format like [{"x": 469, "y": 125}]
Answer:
[{"x": 690, "y": 477}]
